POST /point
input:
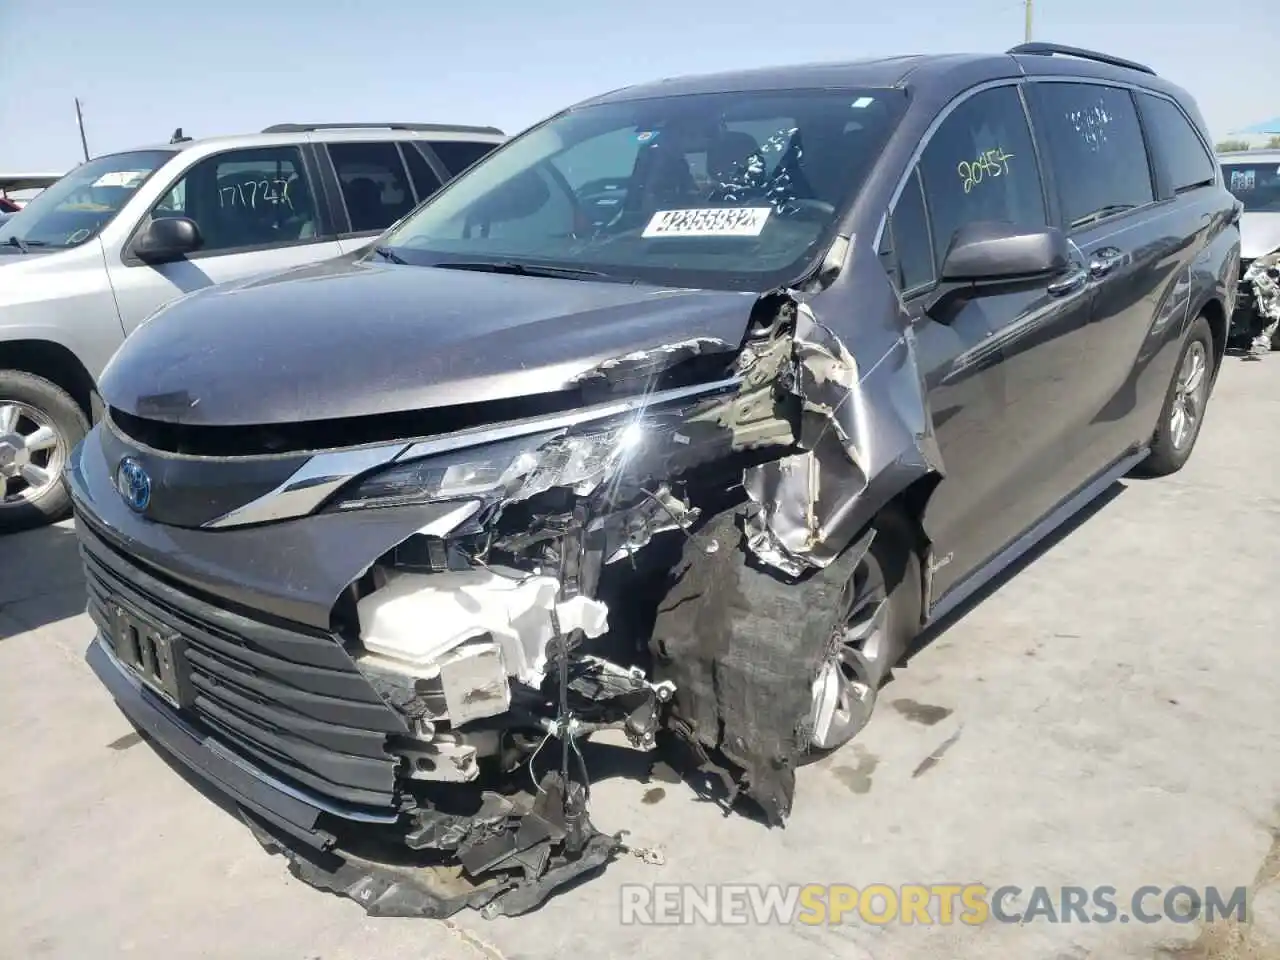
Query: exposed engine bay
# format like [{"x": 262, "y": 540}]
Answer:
[{"x": 585, "y": 583}]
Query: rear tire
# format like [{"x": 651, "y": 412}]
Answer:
[
  {"x": 40, "y": 423},
  {"x": 1185, "y": 402}
]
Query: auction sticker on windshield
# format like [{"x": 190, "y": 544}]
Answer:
[{"x": 708, "y": 222}]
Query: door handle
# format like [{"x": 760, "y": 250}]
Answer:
[
  {"x": 1104, "y": 261},
  {"x": 1076, "y": 278}
]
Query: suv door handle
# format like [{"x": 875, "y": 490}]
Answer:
[
  {"x": 1076, "y": 277},
  {"x": 1104, "y": 261}
]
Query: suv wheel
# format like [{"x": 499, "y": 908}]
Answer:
[
  {"x": 40, "y": 423},
  {"x": 1182, "y": 414},
  {"x": 877, "y": 616}
]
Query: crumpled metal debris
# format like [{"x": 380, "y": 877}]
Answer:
[
  {"x": 1263, "y": 276},
  {"x": 813, "y": 502}
]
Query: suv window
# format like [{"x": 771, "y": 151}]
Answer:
[
  {"x": 375, "y": 184},
  {"x": 425, "y": 181},
  {"x": 910, "y": 229},
  {"x": 245, "y": 198},
  {"x": 735, "y": 189},
  {"x": 1096, "y": 148},
  {"x": 981, "y": 165},
  {"x": 457, "y": 155},
  {"x": 82, "y": 203},
  {"x": 1184, "y": 154}
]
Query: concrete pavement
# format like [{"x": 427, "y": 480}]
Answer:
[{"x": 1108, "y": 715}]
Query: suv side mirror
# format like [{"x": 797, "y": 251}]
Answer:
[
  {"x": 166, "y": 239},
  {"x": 991, "y": 252}
]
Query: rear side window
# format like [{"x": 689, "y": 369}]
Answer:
[
  {"x": 910, "y": 228},
  {"x": 457, "y": 155},
  {"x": 1177, "y": 143},
  {"x": 1096, "y": 148},
  {"x": 981, "y": 165},
  {"x": 375, "y": 186},
  {"x": 425, "y": 180}
]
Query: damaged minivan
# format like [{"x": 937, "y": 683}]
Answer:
[{"x": 680, "y": 414}]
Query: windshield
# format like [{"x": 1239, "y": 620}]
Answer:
[
  {"x": 78, "y": 206},
  {"x": 736, "y": 190},
  {"x": 1256, "y": 185}
]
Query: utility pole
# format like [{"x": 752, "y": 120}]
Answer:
[
  {"x": 84, "y": 144},
  {"x": 1027, "y": 34}
]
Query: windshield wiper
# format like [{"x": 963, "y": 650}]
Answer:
[
  {"x": 17, "y": 241},
  {"x": 525, "y": 269},
  {"x": 386, "y": 253},
  {"x": 1100, "y": 213}
]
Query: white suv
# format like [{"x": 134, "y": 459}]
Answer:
[{"x": 121, "y": 235}]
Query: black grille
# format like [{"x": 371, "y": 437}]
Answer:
[{"x": 286, "y": 698}]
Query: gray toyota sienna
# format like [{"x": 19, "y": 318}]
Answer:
[{"x": 680, "y": 414}]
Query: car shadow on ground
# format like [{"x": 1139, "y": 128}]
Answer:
[{"x": 41, "y": 580}]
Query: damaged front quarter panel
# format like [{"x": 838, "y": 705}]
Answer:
[
  {"x": 733, "y": 632},
  {"x": 857, "y": 426},
  {"x": 486, "y": 638}
]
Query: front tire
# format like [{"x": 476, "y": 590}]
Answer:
[
  {"x": 875, "y": 620},
  {"x": 1182, "y": 413},
  {"x": 40, "y": 423}
]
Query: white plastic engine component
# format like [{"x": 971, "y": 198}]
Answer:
[
  {"x": 473, "y": 678},
  {"x": 416, "y": 618}
]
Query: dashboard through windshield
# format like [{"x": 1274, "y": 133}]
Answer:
[
  {"x": 76, "y": 207},
  {"x": 736, "y": 190}
]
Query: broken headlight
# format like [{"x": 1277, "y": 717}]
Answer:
[{"x": 509, "y": 470}]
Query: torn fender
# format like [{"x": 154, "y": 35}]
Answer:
[{"x": 865, "y": 434}]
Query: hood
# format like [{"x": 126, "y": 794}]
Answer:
[
  {"x": 347, "y": 338},
  {"x": 1259, "y": 234}
]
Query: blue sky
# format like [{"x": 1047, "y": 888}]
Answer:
[{"x": 144, "y": 67}]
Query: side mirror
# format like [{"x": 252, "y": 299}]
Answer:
[
  {"x": 166, "y": 239},
  {"x": 993, "y": 252}
]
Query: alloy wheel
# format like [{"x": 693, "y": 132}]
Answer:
[
  {"x": 844, "y": 692},
  {"x": 32, "y": 453},
  {"x": 1189, "y": 395}
]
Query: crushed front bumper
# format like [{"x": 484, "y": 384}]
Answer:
[{"x": 273, "y": 714}]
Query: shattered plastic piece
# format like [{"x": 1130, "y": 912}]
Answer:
[
  {"x": 416, "y": 618},
  {"x": 510, "y": 858},
  {"x": 475, "y": 682},
  {"x": 448, "y": 757}
]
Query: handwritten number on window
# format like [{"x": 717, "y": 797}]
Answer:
[{"x": 990, "y": 163}]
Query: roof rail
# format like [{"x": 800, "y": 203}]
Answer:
[
  {"x": 1051, "y": 49},
  {"x": 417, "y": 127}
]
